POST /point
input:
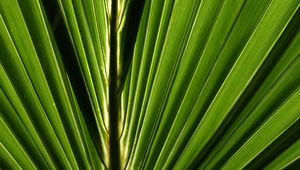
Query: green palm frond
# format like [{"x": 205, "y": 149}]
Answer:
[{"x": 125, "y": 84}]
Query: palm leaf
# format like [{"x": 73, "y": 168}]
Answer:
[{"x": 149, "y": 84}]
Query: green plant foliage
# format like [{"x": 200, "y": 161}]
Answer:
[{"x": 149, "y": 84}]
